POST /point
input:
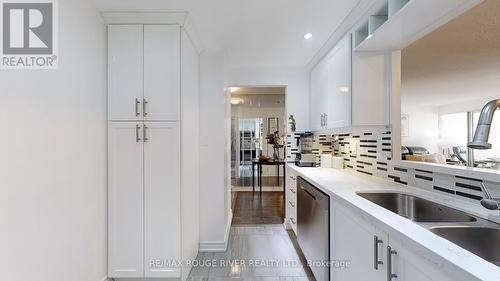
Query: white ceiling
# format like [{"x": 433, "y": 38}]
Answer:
[
  {"x": 457, "y": 63},
  {"x": 254, "y": 32},
  {"x": 258, "y": 91}
]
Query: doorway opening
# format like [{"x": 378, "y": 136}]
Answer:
[{"x": 258, "y": 153}]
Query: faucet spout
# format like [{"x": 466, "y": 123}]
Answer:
[{"x": 482, "y": 133}]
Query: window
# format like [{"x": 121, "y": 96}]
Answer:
[
  {"x": 453, "y": 132},
  {"x": 453, "y": 129},
  {"x": 494, "y": 139}
]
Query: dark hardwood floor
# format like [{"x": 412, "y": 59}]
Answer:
[
  {"x": 266, "y": 181},
  {"x": 258, "y": 208}
]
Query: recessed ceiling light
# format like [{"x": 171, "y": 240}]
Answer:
[
  {"x": 308, "y": 36},
  {"x": 344, "y": 89}
]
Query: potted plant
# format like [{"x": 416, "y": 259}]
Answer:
[{"x": 277, "y": 142}]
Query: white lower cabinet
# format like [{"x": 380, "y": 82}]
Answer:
[
  {"x": 291, "y": 200},
  {"x": 358, "y": 243},
  {"x": 125, "y": 200},
  {"x": 144, "y": 199},
  {"x": 373, "y": 255},
  {"x": 162, "y": 198},
  {"x": 410, "y": 266}
]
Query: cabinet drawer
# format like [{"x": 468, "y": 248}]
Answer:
[
  {"x": 291, "y": 181},
  {"x": 293, "y": 221},
  {"x": 292, "y": 204}
]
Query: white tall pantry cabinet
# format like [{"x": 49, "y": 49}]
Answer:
[{"x": 153, "y": 174}]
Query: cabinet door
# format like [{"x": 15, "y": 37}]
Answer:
[
  {"x": 353, "y": 241},
  {"x": 125, "y": 200},
  {"x": 319, "y": 83},
  {"x": 125, "y": 72},
  {"x": 409, "y": 265},
  {"x": 162, "y": 72},
  {"x": 162, "y": 198},
  {"x": 291, "y": 199},
  {"x": 338, "y": 97},
  {"x": 370, "y": 100}
]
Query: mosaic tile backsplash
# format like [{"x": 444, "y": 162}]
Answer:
[{"x": 370, "y": 153}]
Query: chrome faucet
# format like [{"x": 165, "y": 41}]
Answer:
[
  {"x": 489, "y": 202},
  {"x": 480, "y": 140}
]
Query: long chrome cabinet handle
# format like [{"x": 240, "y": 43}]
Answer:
[
  {"x": 145, "y": 133},
  {"x": 137, "y": 103},
  {"x": 145, "y": 107},
  {"x": 390, "y": 275},
  {"x": 137, "y": 132},
  {"x": 376, "y": 262}
]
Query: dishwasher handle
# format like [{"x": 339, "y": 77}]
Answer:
[{"x": 308, "y": 192}]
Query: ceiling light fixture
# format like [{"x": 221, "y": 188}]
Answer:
[
  {"x": 236, "y": 101},
  {"x": 308, "y": 36},
  {"x": 233, "y": 89},
  {"x": 344, "y": 89}
]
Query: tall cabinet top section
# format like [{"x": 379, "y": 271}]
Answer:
[{"x": 144, "y": 72}]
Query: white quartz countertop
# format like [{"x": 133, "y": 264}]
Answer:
[{"x": 342, "y": 186}]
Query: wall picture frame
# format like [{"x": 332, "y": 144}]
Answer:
[{"x": 272, "y": 125}]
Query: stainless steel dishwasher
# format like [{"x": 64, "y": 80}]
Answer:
[{"x": 313, "y": 227}]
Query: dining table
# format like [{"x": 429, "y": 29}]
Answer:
[{"x": 259, "y": 164}]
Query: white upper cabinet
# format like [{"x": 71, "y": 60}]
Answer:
[
  {"x": 144, "y": 72},
  {"x": 349, "y": 89},
  {"x": 370, "y": 102},
  {"x": 125, "y": 72},
  {"x": 331, "y": 89},
  {"x": 162, "y": 198},
  {"x": 395, "y": 24},
  {"x": 125, "y": 200},
  {"x": 319, "y": 80},
  {"x": 338, "y": 113},
  {"x": 161, "y": 72}
]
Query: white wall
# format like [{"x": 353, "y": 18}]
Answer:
[
  {"x": 457, "y": 63},
  {"x": 190, "y": 153},
  {"x": 453, "y": 69},
  {"x": 213, "y": 142},
  {"x": 423, "y": 126},
  {"x": 295, "y": 79},
  {"x": 53, "y": 158}
]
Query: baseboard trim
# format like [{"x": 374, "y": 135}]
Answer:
[
  {"x": 218, "y": 246},
  {"x": 264, "y": 188},
  {"x": 286, "y": 224}
]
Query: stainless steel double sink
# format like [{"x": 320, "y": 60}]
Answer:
[{"x": 474, "y": 234}]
